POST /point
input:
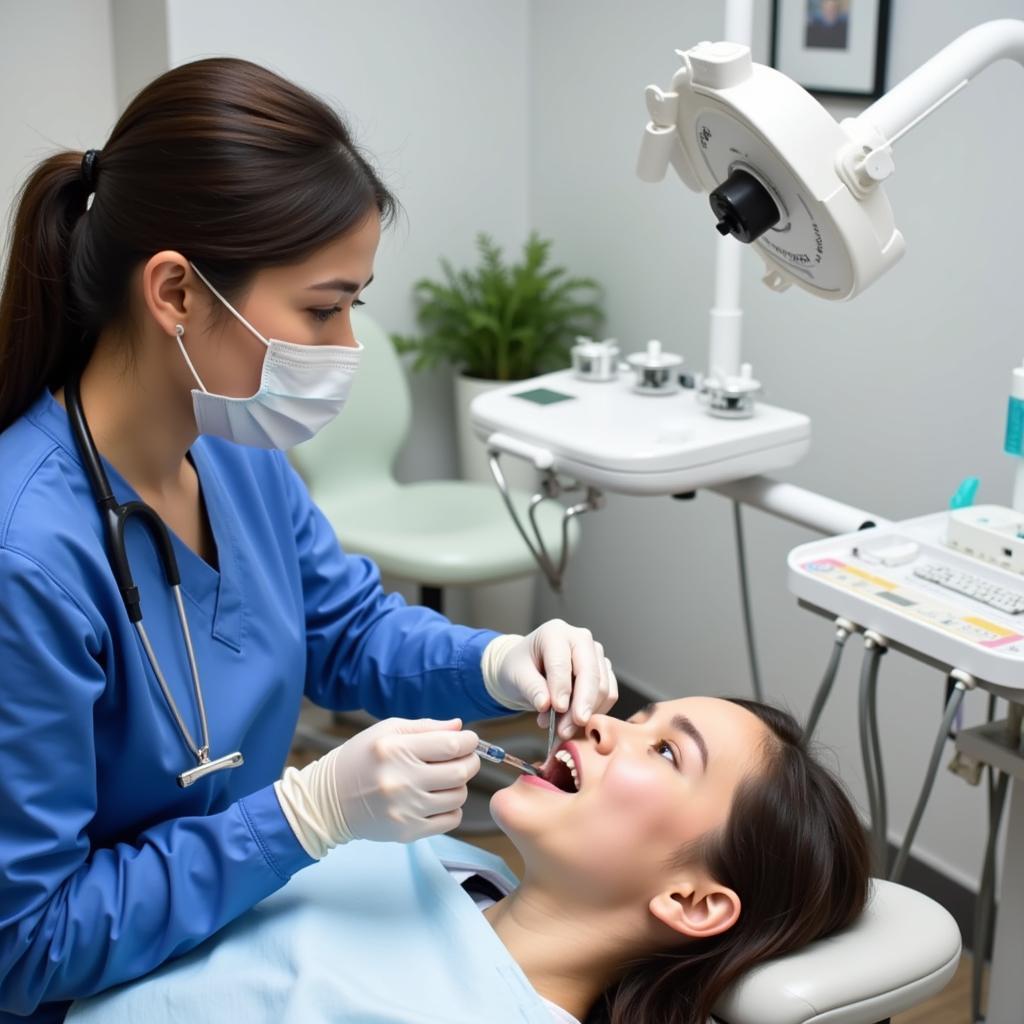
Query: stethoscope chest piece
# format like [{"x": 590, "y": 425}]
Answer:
[{"x": 186, "y": 778}]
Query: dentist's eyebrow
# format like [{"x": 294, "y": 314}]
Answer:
[
  {"x": 683, "y": 725},
  {"x": 338, "y": 285}
]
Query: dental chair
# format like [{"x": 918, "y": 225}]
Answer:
[{"x": 902, "y": 950}]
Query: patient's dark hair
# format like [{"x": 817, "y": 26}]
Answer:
[
  {"x": 221, "y": 160},
  {"x": 794, "y": 851}
]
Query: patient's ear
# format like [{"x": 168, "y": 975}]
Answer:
[{"x": 697, "y": 910}]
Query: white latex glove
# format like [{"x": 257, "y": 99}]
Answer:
[
  {"x": 557, "y": 663},
  {"x": 398, "y": 780}
]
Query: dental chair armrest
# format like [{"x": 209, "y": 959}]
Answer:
[{"x": 903, "y": 949}]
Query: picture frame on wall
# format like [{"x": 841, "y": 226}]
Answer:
[{"x": 832, "y": 47}]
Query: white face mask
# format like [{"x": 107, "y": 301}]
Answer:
[{"x": 302, "y": 388}]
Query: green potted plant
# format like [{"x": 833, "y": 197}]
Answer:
[{"x": 497, "y": 323}]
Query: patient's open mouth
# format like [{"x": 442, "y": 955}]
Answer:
[{"x": 561, "y": 769}]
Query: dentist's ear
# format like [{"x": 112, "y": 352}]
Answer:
[
  {"x": 167, "y": 289},
  {"x": 697, "y": 911}
]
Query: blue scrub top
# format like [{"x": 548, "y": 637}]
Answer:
[{"x": 108, "y": 867}]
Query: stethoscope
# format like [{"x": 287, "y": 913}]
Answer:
[{"x": 115, "y": 516}]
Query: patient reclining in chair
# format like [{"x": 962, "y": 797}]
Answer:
[{"x": 663, "y": 858}]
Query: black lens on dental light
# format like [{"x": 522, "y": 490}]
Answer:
[{"x": 744, "y": 207}]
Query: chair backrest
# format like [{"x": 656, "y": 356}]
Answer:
[{"x": 360, "y": 445}]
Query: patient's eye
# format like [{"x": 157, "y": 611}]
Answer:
[{"x": 662, "y": 745}]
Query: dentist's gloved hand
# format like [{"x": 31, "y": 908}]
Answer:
[
  {"x": 398, "y": 780},
  {"x": 554, "y": 665}
]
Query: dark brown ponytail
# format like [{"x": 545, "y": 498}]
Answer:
[
  {"x": 795, "y": 852},
  {"x": 221, "y": 160},
  {"x": 37, "y": 333}
]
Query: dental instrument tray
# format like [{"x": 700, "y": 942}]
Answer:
[
  {"x": 605, "y": 435},
  {"x": 908, "y": 582}
]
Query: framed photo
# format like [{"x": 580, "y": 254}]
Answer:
[{"x": 832, "y": 47}]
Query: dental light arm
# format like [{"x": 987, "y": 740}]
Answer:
[
  {"x": 943, "y": 75},
  {"x": 783, "y": 175}
]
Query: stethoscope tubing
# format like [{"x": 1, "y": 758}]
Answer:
[{"x": 115, "y": 518}]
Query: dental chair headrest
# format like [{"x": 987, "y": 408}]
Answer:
[{"x": 902, "y": 950}]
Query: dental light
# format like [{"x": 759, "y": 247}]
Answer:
[{"x": 782, "y": 175}]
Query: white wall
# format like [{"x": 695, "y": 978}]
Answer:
[
  {"x": 906, "y": 387},
  {"x": 56, "y": 84},
  {"x": 140, "y": 45}
]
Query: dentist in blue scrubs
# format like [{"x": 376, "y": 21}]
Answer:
[{"x": 175, "y": 312}]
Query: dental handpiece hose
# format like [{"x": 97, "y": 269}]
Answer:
[{"x": 492, "y": 752}]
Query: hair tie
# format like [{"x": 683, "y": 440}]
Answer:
[{"x": 89, "y": 169}]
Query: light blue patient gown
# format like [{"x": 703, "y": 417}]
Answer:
[{"x": 375, "y": 933}]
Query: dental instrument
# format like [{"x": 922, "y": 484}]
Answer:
[
  {"x": 498, "y": 755},
  {"x": 551, "y": 730}
]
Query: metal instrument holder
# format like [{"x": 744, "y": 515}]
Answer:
[
  {"x": 1000, "y": 744},
  {"x": 551, "y": 488}
]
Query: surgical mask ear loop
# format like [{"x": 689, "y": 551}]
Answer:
[
  {"x": 231, "y": 309},
  {"x": 179, "y": 333}
]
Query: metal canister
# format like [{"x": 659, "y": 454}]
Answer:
[
  {"x": 595, "y": 360},
  {"x": 657, "y": 372}
]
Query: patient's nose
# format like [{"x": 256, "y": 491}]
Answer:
[{"x": 601, "y": 730}]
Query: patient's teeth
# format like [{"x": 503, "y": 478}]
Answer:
[{"x": 567, "y": 759}]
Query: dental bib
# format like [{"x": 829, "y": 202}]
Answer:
[{"x": 378, "y": 933}]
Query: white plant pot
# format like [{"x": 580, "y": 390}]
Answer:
[
  {"x": 509, "y": 606},
  {"x": 473, "y": 462}
]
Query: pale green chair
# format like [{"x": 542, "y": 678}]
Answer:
[{"x": 437, "y": 533}]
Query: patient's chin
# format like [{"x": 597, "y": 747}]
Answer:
[
  {"x": 515, "y": 813},
  {"x": 529, "y": 813},
  {"x": 499, "y": 808}
]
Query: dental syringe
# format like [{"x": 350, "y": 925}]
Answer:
[{"x": 492, "y": 752}]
